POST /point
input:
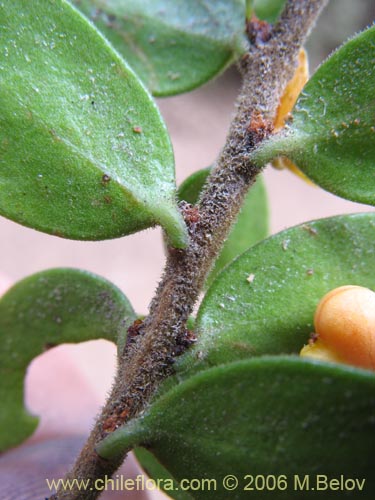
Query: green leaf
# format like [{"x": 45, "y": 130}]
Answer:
[
  {"x": 47, "y": 309},
  {"x": 332, "y": 136},
  {"x": 280, "y": 416},
  {"x": 173, "y": 45},
  {"x": 249, "y": 8},
  {"x": 268, "y": 10},
  {"x": 251, "y": 225},
  {"x": 191, "y": 188},
  {"x": 264, "y": 302},
  {"x": 156, "y": 471},
  {"x": 84, "y": 153}
]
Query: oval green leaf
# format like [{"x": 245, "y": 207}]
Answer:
[
  {"x": 332, "y": 136},
  {"x": 268, "y": 10},
  {"x": 251, "y": 225},
  {"x": 173, "y": 45},
  {"x": 264, "y": 302},
  {"x": 84, "y": 153},
  {"x": 280, "y": 416},
  {"x": 160, "y": 474},
  {"x": 44, "y": 310}
]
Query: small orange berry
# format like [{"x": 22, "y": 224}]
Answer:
[
  {"x": 345, "y": 327},
  {"x": 345, "y": 321}
]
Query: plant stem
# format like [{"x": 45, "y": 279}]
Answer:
[{"x": 146, "y": 360}]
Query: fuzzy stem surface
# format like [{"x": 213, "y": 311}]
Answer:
[{"x": 146, "y": 361}]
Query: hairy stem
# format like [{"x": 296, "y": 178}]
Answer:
[{"x": 146, "y": 360}]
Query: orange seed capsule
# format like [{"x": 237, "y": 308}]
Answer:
[
  {"x": 292, "y": 91},
  {"x": 345, "y": 324},
  {"x": 345, "y": 321},
  {"x": 287, "y": 102}
]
